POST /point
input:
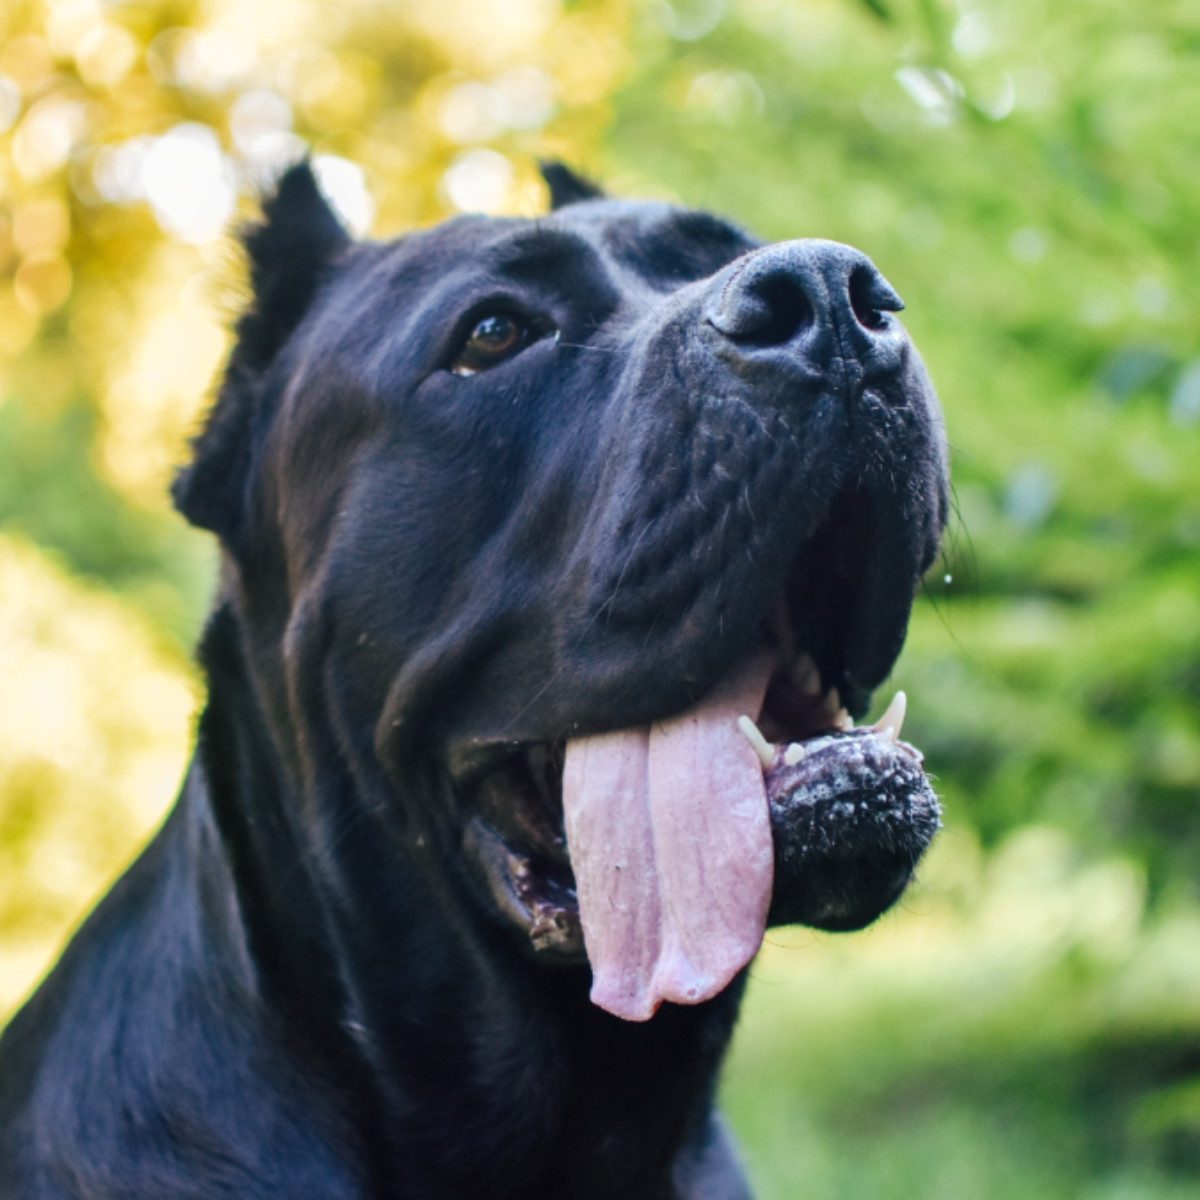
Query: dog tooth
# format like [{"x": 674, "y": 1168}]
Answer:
[
  {"x": 893, "y": 717},
  {"x": 793, "y": 754},
  {"x": 806, "y": 676},
  {"x": 845, "y": 720},
  {"x": 886, "y": 735},
  {"x": 753, "y": 735}
]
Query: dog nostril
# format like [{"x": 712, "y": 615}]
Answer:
[
  {"x": 871, "y": 296},
  {"x": 776, "y": 297},
  {"x": 771, "y": 311}
]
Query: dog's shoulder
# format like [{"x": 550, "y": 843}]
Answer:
[{"x": 146, "y": 1065}]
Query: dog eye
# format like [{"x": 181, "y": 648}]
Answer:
[{"x": 496, "y": 337}]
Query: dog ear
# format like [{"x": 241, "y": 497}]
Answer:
[
  {"x": 290, "y": 252},
  {"x": 566, "y": 187}
]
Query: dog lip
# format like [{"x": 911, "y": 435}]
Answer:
[
  {"x": 547, "y": 908},
  {"x": 511, "y": 794},
  {"x": 850, "y": 820}
]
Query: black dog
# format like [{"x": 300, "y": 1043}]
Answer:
[{"x": 500, "y": 494}]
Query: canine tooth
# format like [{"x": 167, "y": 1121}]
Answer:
[
  {"x": 806, "y": 676},
  {"x": 893, "y": 717},
  {"x": 793, "y": 754},
  {"x": 845, "y": 720},
  {"x": 754, "y": 736},
  {"x": 887, "y": 735}
]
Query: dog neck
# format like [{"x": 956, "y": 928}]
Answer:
[{"x": 552, "y": 1096}]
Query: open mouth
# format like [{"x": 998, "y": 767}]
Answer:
[
  {"x": 568, "y": 833},
  {"x": 517, "y": 826}
]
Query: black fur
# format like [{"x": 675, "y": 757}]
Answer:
[
  {"x": 306, "y": 986},
  {"x": 289, "y": 252}
]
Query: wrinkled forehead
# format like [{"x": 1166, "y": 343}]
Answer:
[{"x": 659, "y": 245}]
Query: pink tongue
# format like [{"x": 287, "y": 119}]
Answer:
[{"x": 670, "y": 844}]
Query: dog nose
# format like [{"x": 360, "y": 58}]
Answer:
[{"x": 821, "y": 299}]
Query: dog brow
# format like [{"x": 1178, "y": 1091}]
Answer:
[{"x": 534, "y": 250}]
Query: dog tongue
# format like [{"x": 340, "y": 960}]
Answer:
[{"x": 670, "y": 842}]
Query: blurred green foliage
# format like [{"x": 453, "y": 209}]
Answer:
[{"x": 1028, "y": 176}]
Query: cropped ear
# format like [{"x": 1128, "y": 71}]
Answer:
[
  {"x": 290, "y": 253},
  {"x": 566, "y": 187}
]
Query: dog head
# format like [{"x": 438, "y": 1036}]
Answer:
[{"x": 508, "y": 485}]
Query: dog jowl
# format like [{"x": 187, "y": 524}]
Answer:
[{"x": 559, "y": 555}]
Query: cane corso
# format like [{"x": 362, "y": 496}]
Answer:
[{"x": 518, "y": 518}]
